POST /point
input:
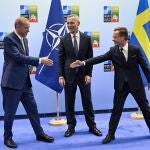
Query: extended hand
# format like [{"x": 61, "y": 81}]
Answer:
[
  {"x": 76, "y": 64},
  {"x": 46, "y": 61}
]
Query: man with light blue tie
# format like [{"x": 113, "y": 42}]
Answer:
[{"x": 16, "y": 84}]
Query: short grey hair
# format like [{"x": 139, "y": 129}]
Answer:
[{"x": 76, "y": 17}]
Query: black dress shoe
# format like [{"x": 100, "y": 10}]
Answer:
[
  {"x": 45, "y": 138},
  {"x": 108, "y": 138},
  {"x": 10, "y": 143},
  {"x": 95, "y": 131},
  {"x": 69, "y": 132}
]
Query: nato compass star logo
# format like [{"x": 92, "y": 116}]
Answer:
[{"x": 53, "y": 34}]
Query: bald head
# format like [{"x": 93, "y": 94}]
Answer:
[{"x": 22, "y": 26}]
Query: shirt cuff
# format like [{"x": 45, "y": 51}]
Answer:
[
  {"x": 39, "y": 60},
  {"x": 84, "y": 63}
]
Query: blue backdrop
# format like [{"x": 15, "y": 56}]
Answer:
[{"x": 91, "y": 15}]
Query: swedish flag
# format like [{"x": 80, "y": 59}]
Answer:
[{"x": 141, "y": 32}]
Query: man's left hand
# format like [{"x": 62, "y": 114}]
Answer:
[{"x": 87, "y": 79}]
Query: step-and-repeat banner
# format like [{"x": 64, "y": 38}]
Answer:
[{"x": 98, "y": 18}]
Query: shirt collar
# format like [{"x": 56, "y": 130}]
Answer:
[
  {"x": 77, "y": 34},
  {"x": 125, "y": 47}
]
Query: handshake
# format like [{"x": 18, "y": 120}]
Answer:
[{"x": 77, "y": 63}]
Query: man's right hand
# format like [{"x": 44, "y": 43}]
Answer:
[
  {"x": 76, "y": 64},
  {"x": 46, "y": 61}
]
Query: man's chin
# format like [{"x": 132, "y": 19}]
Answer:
[{"x": 72, "y": 32}]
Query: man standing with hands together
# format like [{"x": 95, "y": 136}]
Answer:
[{"x": 76, "y": 45}]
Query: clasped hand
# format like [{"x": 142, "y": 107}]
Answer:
[
  {"x": 46, "y": 61},
  {"x": 76, "y": 64}
]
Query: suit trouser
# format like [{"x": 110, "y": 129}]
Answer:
[
  {"x": 11, "y": 99},
  {"x": 119, "y": 100},
  {"x": 70, "y": 92}
]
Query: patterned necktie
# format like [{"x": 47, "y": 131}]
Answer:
[
  {"x": 22, "y": 41},
  {"x": 75, "y": 45},
  {"x": 121, "y": 49}
]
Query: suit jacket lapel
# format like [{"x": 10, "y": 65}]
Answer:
[
  {"x": 18, "y": 42},
  {"x": 80, "y": 42},
  {"x": 26, "y": 46},
  {"x": 129, "y": 53}
]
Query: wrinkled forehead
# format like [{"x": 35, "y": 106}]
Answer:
[{"x": 72, "y": 19}]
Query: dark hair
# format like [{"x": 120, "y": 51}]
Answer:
[{"x": 122, "y": 32}]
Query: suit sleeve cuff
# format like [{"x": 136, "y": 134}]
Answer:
[
  {"x": 84, "y": 63},
  {"x": 39, "y": 60}
]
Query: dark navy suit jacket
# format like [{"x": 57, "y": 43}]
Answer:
[
  {"x": 67, "y": 55},
  {"x": 125, "y": 69},
  {"x": 16, "y": 62}
]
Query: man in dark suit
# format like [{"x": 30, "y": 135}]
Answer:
[
  {"x": 126, "y": 59},
  {"x": 16, "y": 83},
  {"x": 76, "y": 45}
]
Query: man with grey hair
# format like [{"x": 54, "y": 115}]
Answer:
[
  {"x": 16, "y": 84},
  {"x": 76, "y": 45}
]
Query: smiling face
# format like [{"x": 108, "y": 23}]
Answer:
[
  {"x": 73, "y": 24},
  {"x": 120, "y": 36}
]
